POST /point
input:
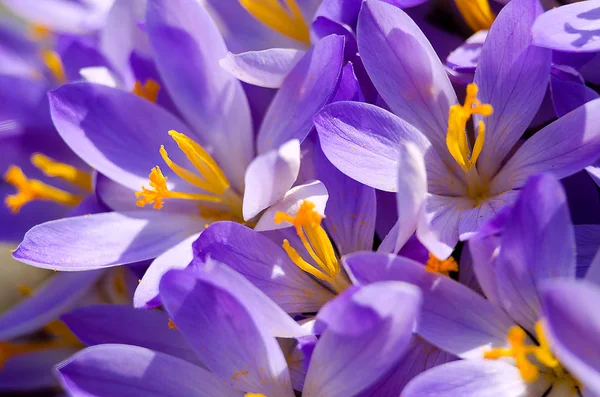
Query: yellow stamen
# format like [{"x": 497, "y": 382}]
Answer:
[
  {"x": 254, "y": 395},
  {"x": 307, "y": 223},
  {"x": 53, "y": 62},
  {"x": 287, "y": 21},
  {"x": 33, "y": 189},
  {"x": 149, "y": 90},
  {"x": 38, "y": 32},
  {"x": 171, "y": 324},
  {"x": 456, "y": 140},
  {"x": 210, "y": 179},
  {"x": 63, "y": 171},
  {"x": 476, "y": 13},
  {"x": 435, "y": 265},
  {"x": 519, "y": 351},
  {"x": 25, "y": 290}
]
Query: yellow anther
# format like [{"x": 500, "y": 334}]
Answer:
[
  {"x": 519, "y": 351},
  {"x": 456, "y": 139},
  {"x": 149, "y": 90},
  {"x": 435, "y": 265},
  {"x": 287, "y": 21},
  {"x": 25, "y": 290},
  {"x": 32, "y": 189},
  {"x": 307, "y": 223},
  {"x": 476, "y": 13},
  {"x": 254, "y": 395},
  {"x": 53, "y": 62},
  {"x": 210, "y": 178},
  {"x": 171, "y": 324},
  {"x": 63, "y": 171},
  {"x": 38, "y": 32}
]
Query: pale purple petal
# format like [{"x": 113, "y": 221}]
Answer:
[
  {"x": 464, "y": 59},
  {"x": 587, "y": 238},
  {"x": 267, "y": 68},
  {"x": 568, "y": 90},
  {"x": 269, "y": 176},
  {"x": 113, "y": 370},
  {"x": 472, "y": 219}
]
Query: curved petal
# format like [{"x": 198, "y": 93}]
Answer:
[
  {"x": 116, "y": 132},
  {"x": 264, "y": 264},
  {"x": 574, "y": 28},
  {"x": 225, "y": 334},
  {"x": 562, "y": 148},
  {"x": 464, "y": 59},
  {"x": 57, "y": 295},
  {"x": 573, "y": 327},
  {"x": 405, "y": 69},
  {"x": 346, "y": 362},
  {"x": 189, "y": 46},
  {"x": 101, "y": 324},
  {"x": 363, "y": 141},
  {"x": 103, "y": 240},
  {"x": 568, "y": 90},
  {"x": 475, "y": 378},
  {"x": 123, "y": 370},
  {"x": 306, "y": 89},
  {"x": 269, "y": 176},
  {"x": 512, "y": 76},
  {"x": 267, "y": 68}
]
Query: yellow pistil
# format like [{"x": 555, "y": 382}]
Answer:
[
  {"x": 519, "y": 351},
  {"x": 476, "y": 13},
  {"x": 456, "y": 139},
  {"x": 149, "y": 90},
  {"x": 307, "y": 223},
  {"x": 53, "y": 62},
  {"x": 435, "y": 265},
  {"x": 63, "y": 171},
  {"x": 211, "y": 178},
  {"x": 287, "y": 21},
  {"x": 32, "y": 189}
]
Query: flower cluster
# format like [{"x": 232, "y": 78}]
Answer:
[{"x": 279, "y": 198}]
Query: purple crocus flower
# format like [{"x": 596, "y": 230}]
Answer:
[
  {"x": 466, "y": 183},
  {"x": 231, "y": 326},
  {"x": 124, "y": 137}
]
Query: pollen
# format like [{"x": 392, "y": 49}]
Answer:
[
  {"x": 149, "y": 90},
  {"x": 444, "y": 267},
  {"x": 456, "y": 139},
  {"x": 171, "y": 324},
  {"x": 476, "y": 13},
  {"x": 307, "y": 223},
  {"x": 520, "y": 352},
  {"x": 209, "y": 177},
  {"x": 53, "y": 62},
  {"x": 287, "y": 21}
]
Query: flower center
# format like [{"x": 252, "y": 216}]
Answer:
[
  {"x": 287, "y": 20},
  {"x": 149, "y": 90},
  {"x": 32, "y": 189},
  {"x": 307, "y": 223},
  {"x": 519, "y": 351},
  {"x": 444, "y": 267},
  {"x": 476, "y": 13},
  {"x": 210, "y": 178}
]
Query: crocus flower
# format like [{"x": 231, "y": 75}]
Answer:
[
  {"x": 467, "y": 180},
  {"x": 231, "y": 327},
  {"x": 124, "y": 137}
]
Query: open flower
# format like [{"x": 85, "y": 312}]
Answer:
[{"x": 469, "y": 177}]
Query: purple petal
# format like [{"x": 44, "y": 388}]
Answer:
[
  {"x": 568, "y": 90},
  {"x": 176, "y": 257},
  {"x": 349, "y": 88},
  {"x": 475, "y": 378},
  {"x": 363, "y": 141},
  {"x": 123, "y": 370},
  {"x": 57, "y": 295},
  {"x": 405, "y": 69},
  {"x": 472, "y": 219},
  {"x": 267, "y": 68},
  {"x": 572, "y": 28},
  {"x": 103, "y": 240},
  {"x": 512, "y": 76},
  {"x": 269, "y": 176},
  {"x": 263, "y": 263},
  {"x": 587, "y": 238},
  {"x": 465, "y": 58},
  {"x": 453, "y": 317},
  {"x": 346, "y": 361},
  {"x": 189, "y": 47},
  {"x": 115, "y": 132},
  {"x": 225, "y": 333},
  {"x": 306, "y": 89},
  {"x": 573, "y": 327},
  {"x": 538, "y": 243},
  {"x": 100, "y": 324},
  {"x": 553, "y": 150}
]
